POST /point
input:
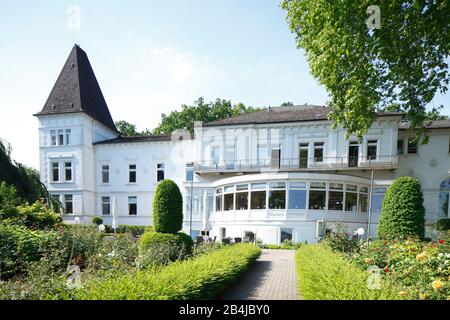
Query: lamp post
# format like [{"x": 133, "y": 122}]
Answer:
[
  {"x": 192, "y": 190},
  {"x": 369, "y": 222}
]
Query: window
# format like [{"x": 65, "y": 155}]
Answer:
[
  {"x": 258, "y": 196},
  {"x": 351, "y": 198},
  {"x": 215, "y": 154},
  {"x": 189, "y": 172},
  {"x": 106, "y": 206},
  {"x": 132, "y": 206},
  {"x": 160, "y": 172},
  {"x": 277, "y": 195},
  {"x": 400, "y": 146},
  {"x": 68, "y": 203},
  {"x": 297, "y": 195},
  {"x": 53, "y": 137},
  {"x": 372, "y": 149},
  {"x": 363, "y": 199},
  {"x": 132, "y": 173},
  {"x": 318, "y": 151},
  {"x": 228, "y": 202},
  {"x": 262, "y": 154},
  {"x": 231, "y": 155},
  {"x": 219, "y": 199},
  {"x": 55, "y": 171},
  {"x": 228, "y": 198},
  {"x": 242, "y": 197},
  {"x": 303, "y": 155},
  {"x": 68, "y": 171},
  {"x": 68, "y": 133},
  {"x": 60, "y": 137},
  {"x": 105, "y": 174},
  {"x": 444, "y": 198},
  {"x": 377, "y": 199},
  {"x": 336, "y": 197},
  {"x": 317, "y": 196},
  {"x": 412, "y": 146},
  {"x": 285, "y": 235}
]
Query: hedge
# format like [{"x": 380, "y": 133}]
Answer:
[
  {"x": 443, "y": 224},
  {"x": 167, "y": 208},
  {"x": 324, "y": 275},
  {"x": 402, "y": 213},
  {"x": 176, "y": 245},
  {"x": 124, "y": 228},
  {"x": 202, "y": 277}
]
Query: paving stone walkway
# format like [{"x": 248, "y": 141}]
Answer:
[{"x": 272, "y": 277}]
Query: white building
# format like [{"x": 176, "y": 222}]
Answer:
[{"x": 276, "y": 173}]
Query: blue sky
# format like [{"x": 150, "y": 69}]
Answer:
[{"x": 149, "y": 57}]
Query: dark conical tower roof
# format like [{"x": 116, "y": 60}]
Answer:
[{"x": 77, "y": 90}]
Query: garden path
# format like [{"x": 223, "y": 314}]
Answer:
[{"x": 272, "y": 277}]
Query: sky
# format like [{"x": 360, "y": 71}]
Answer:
[{"x": 149, "y": 57}]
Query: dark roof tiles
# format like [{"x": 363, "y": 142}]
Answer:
[
  {"x": 282, "y": 115},
  {"x": 77, "y": 90}
]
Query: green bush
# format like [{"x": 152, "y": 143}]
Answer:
[
  {"x": 167, "y": 208},
  {"x": 203, "y": 277},
  {"x": 443, "y": 224},
  {"x": 124, "y": 228},
  {"x": 339, "y": 240},
  {"x": 157, "y": 248},
  {"x": 324, "y": 275},
  {"x": 403, "y": 213},
  {"x": 97, "y": 220}
]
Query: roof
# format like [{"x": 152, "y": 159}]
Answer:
[
  {"x": 135, "y": 139},
  {"x": 282, "y": 115},
  {"x": 77, "y": 90},
  {"x": 437, "y": 124}
]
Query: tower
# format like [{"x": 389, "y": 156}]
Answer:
[{"x": 74, "y": 117}]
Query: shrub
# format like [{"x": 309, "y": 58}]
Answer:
[
  {"x": 403, "y": 213},
  {"x": 203, "y": 277},
  {"x": 324, "y": 275},
  {"x": 19, "y": 245},
  {"x": 340, "y": 241},
  {"x": 97, "y": 220},
  {"x": 443, "y": 224},
  {"x": 157, "y": 248},
  {"x": 167, "y": 208}
]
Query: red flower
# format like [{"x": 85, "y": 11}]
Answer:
[
  {"x": 441, "y": 241},
  {"x": 385, "y": 243},
  {"x": 386, "y": 269}
]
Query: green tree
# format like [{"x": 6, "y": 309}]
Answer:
[
  {"x": 402, "y": 213},
  {"x": 25, "y": 180},
  {"x": 287, "y": 104},
  {"x": 364, "y": 70},
  {"x": 126, "y": 129},
  {"x": 200, "y": 111},
  {"x": 167, "y": 212}
]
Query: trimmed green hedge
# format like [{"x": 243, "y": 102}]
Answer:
[
  {"x": 402, "y": 213},
  {"x": 167, "y": 208},
  {"x": 324, "y": 275},
  {"x": 203, "y": 277},
  {"x": 174, "y": 245},
  {"x": 124, "y": 228}
]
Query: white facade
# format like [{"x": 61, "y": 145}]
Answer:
[{"x": 242, "y": 183}]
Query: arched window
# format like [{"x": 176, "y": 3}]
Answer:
[{"x": 444, "y": 197}]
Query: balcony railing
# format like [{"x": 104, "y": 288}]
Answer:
[{"x": 298, "y": 164}]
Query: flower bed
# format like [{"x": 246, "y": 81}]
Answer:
[
  {"x": 203, "y": 277},
  {"x": 417, "y": 269},
  {"x": 325, "y": 275}
]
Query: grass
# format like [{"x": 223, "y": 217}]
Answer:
[
  {"x": 203, "y": 277},
  {"x": 324, "y": 275}
]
